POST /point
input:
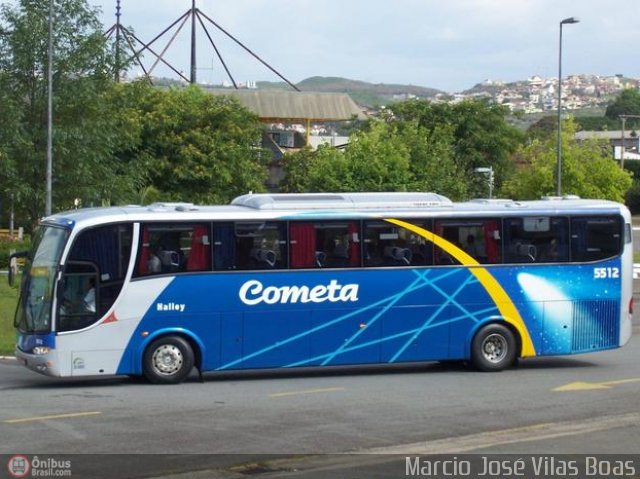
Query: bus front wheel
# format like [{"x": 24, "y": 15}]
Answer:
[
  {"x": 168, "y": 360},
  {"x": 493, "y": 348}
]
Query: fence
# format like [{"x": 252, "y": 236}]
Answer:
[{"x": 17, "y": 234}]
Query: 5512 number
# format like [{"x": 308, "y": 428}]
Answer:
[{"x": 603, "y": 273}]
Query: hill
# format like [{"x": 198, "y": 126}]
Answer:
[{"x": 363, "y": 93}]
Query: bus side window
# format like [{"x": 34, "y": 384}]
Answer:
[
  {"x": 94, "y": 275},
  {"x": 386, "y": 244},
  {"x": 260, "y": 245},
  {"x": 479, "y": 238},
  {"x": 596, "y": 238},
  {"x": 536, "y": 240},
  {"x": 338, "y": 244},
  {"x": 174, "y": 248}
]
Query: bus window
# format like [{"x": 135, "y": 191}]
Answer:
[
  {"x": 173, "y": 248},
  {"x": 93, "y": 276},
  {"x": 595, "y": 238},
  {"x": 250, "y": 245},
  {"x": 536, "y": 240},
  {"x": 391, "y": 245},
  {"x": 479, "y": 238},
  {"x": 325, "y": 244},
  {"x": 79, "y": 296}
]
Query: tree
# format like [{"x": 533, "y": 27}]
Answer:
[
  {"x": 544, "y": 128},
  {"x": 632, "y": 198},
  {"x": 188, "y": 145},
  {"x": 84, "y": 134},
  {"x": 627, "y": 103},
  {"x": 384, "y": 156},
  {"x": 378, "y": 160},
  {"x": 431, "y": 159},
  {"x": 587, "y": 170},
  {"x": 481, "y": 137},
  {"x": 375, "y": 160}
]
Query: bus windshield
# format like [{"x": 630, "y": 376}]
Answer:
[{"x": 34, "y": 307}]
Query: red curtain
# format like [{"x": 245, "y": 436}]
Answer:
[
  {"x": 354, "y": 246},
  {"x": 303, "y": 245},
  {"x": 200, "y": 255},
  {"x": 490, "y": 242},
  {"x": 143, "y": 261}
]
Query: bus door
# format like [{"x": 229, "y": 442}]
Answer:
[{"x": 93, "y": 277}]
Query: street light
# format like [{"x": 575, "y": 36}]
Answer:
[
  {"x": 566, "y": 21},
  {"x": 49, "y": 172},
  {"x": 489, "y": 172}
]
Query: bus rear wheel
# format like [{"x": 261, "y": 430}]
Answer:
[
  {"x": 168, "y": 360},
  {"x": 493, "y": 348}
]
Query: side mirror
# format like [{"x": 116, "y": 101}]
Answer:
[{"x": 13, "y": 266}]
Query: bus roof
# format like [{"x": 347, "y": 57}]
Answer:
[
  {"x": 339, "y": 201},
  {"x": 333, "y": 205}
]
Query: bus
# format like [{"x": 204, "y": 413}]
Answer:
[{"x": 323, "y": 279}]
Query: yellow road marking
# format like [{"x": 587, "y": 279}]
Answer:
[
  {"x": 47, "y": 418},
  {"x": 305, "y": 391},
  {"x": 585, "y": 386},
  {"x": 500, "y": 297}
]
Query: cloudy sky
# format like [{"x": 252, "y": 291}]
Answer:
[{"x": 446, "y": 44}]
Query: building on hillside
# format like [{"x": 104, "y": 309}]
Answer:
[{"x": 294, "y": 113}]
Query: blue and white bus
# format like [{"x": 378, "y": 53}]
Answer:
[{"x": 307, "y": 280}]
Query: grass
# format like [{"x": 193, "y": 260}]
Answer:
[{"x": 8, "y": 299}]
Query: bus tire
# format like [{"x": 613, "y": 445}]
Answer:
[
  {"x": 493, "y": 348},
  {"x": 168, "y": 360}
]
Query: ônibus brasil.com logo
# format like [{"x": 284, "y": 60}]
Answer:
[
  {"x": 18, "y": 466},
  {"x": 22, "y": 466}
]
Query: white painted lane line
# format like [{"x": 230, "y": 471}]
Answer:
[{"x": 535, "y": 432}]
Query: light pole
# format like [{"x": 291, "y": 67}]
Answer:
[
  {"x": 487, "y": 170},
  {"x": 566, "y": 21},
  {"x": 49, "y": 173}
]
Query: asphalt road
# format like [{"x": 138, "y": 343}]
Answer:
[
  {"x": 274, "y": 424},
  {"x": 578, "y": 404}
]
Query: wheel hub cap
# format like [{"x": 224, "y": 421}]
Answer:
[
  {"x": 494, "y": 348},
  {"x": 167, "y": 359}
]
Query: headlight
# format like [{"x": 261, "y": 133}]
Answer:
[{"x": 40, "y": 350}]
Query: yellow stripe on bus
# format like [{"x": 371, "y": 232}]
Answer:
[{"x": 500, "y": 297}]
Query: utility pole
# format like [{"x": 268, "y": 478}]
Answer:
[
  {"x": 624, "y": 119},
  {"x": 193, "y": 43},
  {"x": 118, "y": 28}
]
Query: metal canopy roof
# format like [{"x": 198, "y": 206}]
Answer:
[{"x": 274, "y": 105}]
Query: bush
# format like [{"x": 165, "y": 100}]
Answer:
[
  {"x": 632, "y": 198},
  {"x": 7, "y": 245}
]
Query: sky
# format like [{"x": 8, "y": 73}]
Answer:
[{"x": 450, "y": 45}]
